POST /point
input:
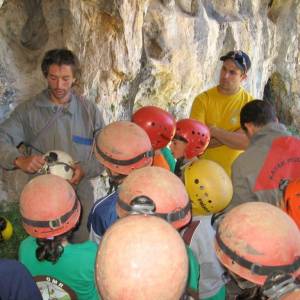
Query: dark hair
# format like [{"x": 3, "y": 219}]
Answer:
[
  {"x": 51, "y": 249},
  {"x": 60, "y": 57},
  {"x": 258, "y": 112}
]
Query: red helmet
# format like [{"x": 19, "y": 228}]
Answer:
[
  {"x": 195, "y": 134},
  {"x": 49, "y": 206},
  {"x": 158, "y": 123},
  {"x": 155, "y": 190},
  {"x": 141, "y": 257},
  {"x": 291, "y": 200},
  {"x": 256, "y": 239},
  {"x": 123, "y": 146}
]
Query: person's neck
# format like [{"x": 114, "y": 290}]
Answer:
[{"x": 227, "y": 92}]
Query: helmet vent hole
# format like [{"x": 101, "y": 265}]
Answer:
[
  {"x": 209, "y": 201},
  {"x": 196, "y": 181},
  {"x": 201, "y": 187},
  {"x": 153, "y": 124},
  {"x": 193, "y": 132}
]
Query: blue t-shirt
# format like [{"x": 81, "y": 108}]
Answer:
[
  {"x": 103, "y": 214},
  {"x": 16, "y": 282}
]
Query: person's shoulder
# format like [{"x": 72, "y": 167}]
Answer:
[
  {"x": 245, "y": 160},
  {"x": 27, "y": 245},
  {"x": 86, "y": 101},
  {"x": 28, "y": 240},
  {"x": 89, "y": 245},
  {"x": 206, "y": 93},
  {"x": 89, "y": 248},
  {"x": 246, "y": 95},
  {"x": 106, "y": 200},
  {"x": 242, "y": 157},
  {"x": 30, "y": 103}
]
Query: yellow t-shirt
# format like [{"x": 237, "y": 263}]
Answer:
[{"x": 223, "y": 111}]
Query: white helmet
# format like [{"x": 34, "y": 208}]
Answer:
[{"x": 58, "y": 163}]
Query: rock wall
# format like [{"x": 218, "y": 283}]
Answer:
[{"x": 160, "y": 52}]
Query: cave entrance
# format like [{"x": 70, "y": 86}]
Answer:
[{"x": 275, "y": 91}]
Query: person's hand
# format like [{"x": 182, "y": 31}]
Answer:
[
  {"x": 77, "y": 175},
  {"x": 213, "y": 143},
  {"x": 29, "y": 164}
]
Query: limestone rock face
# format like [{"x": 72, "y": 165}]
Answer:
[{"x": 159, "y": 52}]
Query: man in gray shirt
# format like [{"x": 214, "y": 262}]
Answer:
[
  {"x": 55, "y": 119},
  {"x": 252, "y": 177}
]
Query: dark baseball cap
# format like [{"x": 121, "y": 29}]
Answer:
[{"x": 240, "y": 58}]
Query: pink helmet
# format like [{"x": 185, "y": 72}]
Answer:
[
  {"x": 49, "y": 206},
  {"x": 256, "y": 239},
  {"x": 141, "y": 257},
  {"x": 158, "y": 123},
  {"x": 123, "y": 146},
  {"x": 156, "y": 191},
  {"x": 195, "y": 134}
]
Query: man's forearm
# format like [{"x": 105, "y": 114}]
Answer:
[
  {"x": 236, "y": 140},
  {"x": 213, "y": 143}
]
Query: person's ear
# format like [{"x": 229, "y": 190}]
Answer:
[
  {"x": 250, "y": 129},
  {"x": 244, "y": 76}
]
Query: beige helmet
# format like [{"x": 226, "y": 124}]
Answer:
[
  {"x": 141, "y": 258},
  {"x": 49, "y": 206},
  {"x": 58, "y": 163},
  {"x": 123, "y": 146},
  {"x": 156, "y": 191},
  {"x": 256, "y": 239}
]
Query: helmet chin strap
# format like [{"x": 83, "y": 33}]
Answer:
[
  {"x": 278, "y": 285},
  {"x": 179, "y": 164}
]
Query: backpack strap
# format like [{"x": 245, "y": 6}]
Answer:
[{"x": 189, "y": 231}]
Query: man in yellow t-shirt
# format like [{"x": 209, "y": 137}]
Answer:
[{"x": 219, "y": 108}]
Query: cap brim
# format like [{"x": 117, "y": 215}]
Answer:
[{"x": 223, "y": 58}]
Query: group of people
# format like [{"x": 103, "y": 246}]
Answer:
[{"x": 191, "y": 208}]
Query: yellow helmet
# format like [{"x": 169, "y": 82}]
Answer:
[
  {"x": 6, "y": 229},
  {"x": 208, "y": 186}
]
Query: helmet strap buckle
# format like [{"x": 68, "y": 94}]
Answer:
[
  {"x": 53, "y": 224},
  {"x": 142, "y": 205}
]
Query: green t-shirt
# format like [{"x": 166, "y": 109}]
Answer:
[
  {"x": 166, "y": 152},
  {"x": 194, "y": 271},
  {"x": 74, "y": 270}
]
